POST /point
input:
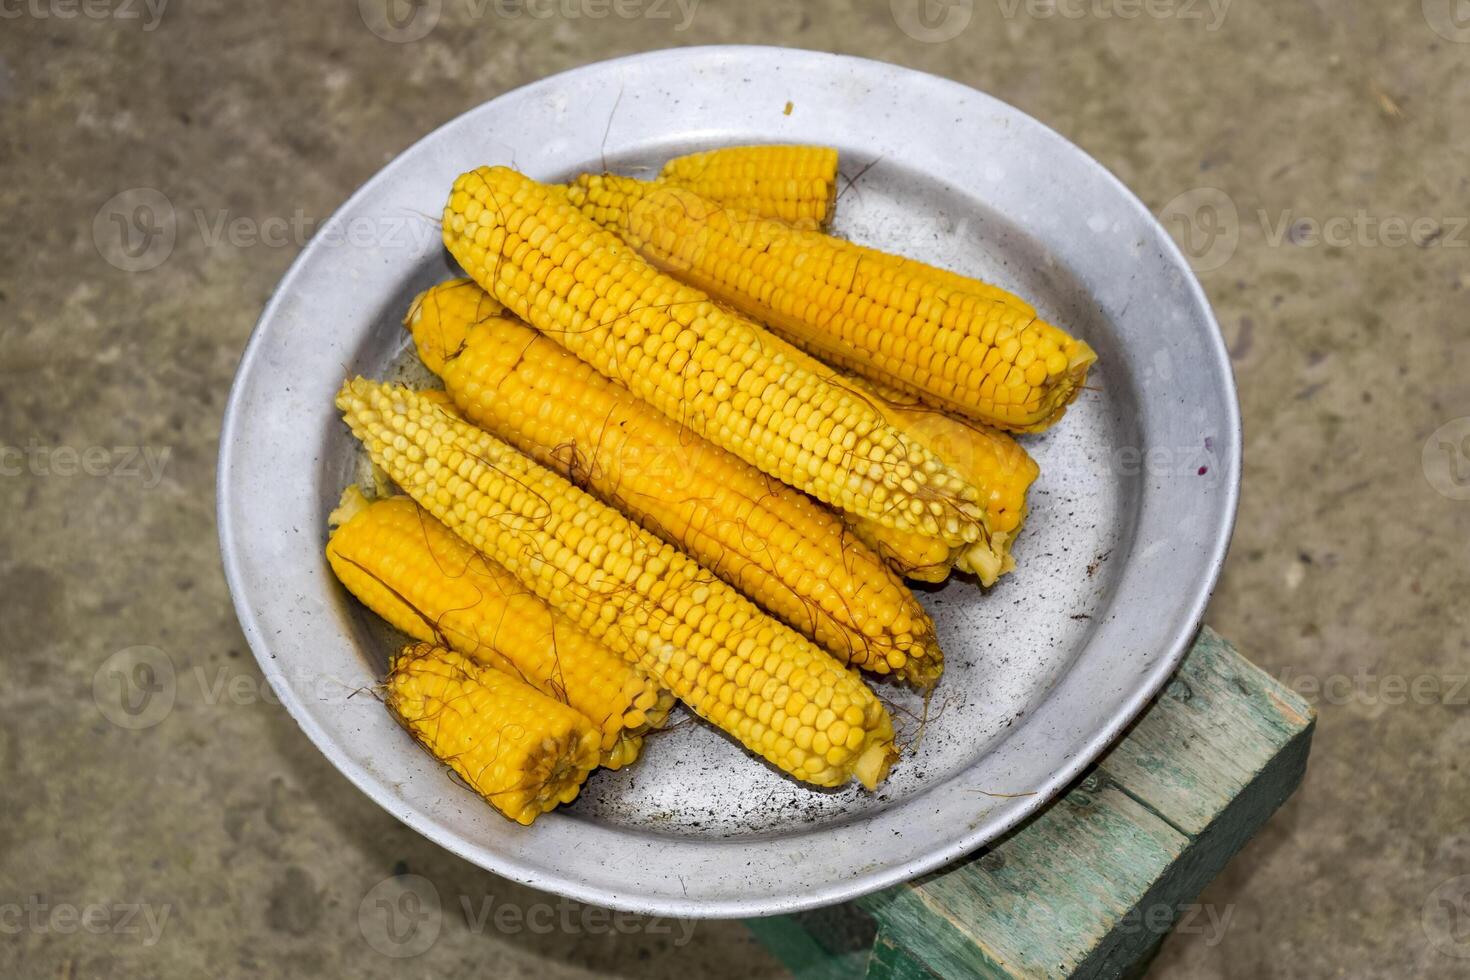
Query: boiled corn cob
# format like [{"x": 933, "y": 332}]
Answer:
[
  {"x": 989, "y": 458},
  {"x": 957, "y": 343},
  {"x": 521, "y": 750},
  {"x": 761, "y": 682},
  {"x": 774, "y": 544},
  {"x": 419, "y": 576},
  {"x": 909, "y": 554},
  {"x": 703, "y": 367},
  {"x": 914, "y": 556},
  {"x": 792, "y": 183}
]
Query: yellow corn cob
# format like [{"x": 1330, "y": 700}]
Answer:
[
  {"x": 769, "y": 687},
  {"x": 956, "y": 342},
  {"x": 788, "y": 553},
  {"x": 419, "y": 576},
  {"x": 991, "y": 459},
  {"x": 914, "y": 556},
  {"x": 521, "y": 750},
  {"x": 794, "y": 184},
  {"x": 698, "y": 364}
]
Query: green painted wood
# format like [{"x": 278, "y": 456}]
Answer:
[
  {"x": 795, "y": 943},
  {"x": 891, "y": 962},
  {"x": 1037, "y": 902},
  {"x": 1248, "y": 767},
  {"x": 1090, "y": 886},
  {"x": 1140, "y": 968},
  {"x": 1218, "y": 721}
]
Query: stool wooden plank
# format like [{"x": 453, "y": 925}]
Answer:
[{"x": 1089, "y": 886}]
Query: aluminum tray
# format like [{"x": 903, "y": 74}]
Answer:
[{"x": 1129, "y": 521}]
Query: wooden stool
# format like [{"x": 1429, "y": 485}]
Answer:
[{"x": 1090, "y": 885}]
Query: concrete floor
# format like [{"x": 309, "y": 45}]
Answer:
[{"x": 1349, "y": 561}]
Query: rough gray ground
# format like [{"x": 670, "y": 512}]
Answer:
[{"x": 1349, "y": 561}]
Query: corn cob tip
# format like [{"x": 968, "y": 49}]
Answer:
[
  {"x": 872, "y": 765},
  {"x": 358, "y": 393},
  {"x": 917, "y": 674},
  {"x": 984, "y": 562},
  {"x": 439, "y": 316},
  {"x": 1083, "y": 356},
  {"x": 1069, "y": 384},
  {"x": 352, "y": 389},
  {"x": 416, "y": 309},
  {"x": 922, "y": 675},
  {"x": 352, "y": 503}
]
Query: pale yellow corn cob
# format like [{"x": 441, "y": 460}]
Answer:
[
  {"x": 766, "y": 685},
  {"x": 698, "y": 364},
  {"x": 418, "y": 575},
  {"x": 792, "y": 183},
  {"x": 521, "y": 750},
  {"x": 776, "y": 545},
  {"x": 957, "y": 343}
]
